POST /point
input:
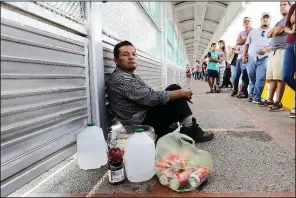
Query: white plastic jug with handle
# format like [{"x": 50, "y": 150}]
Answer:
[
  {"x": 91, "y": 148},
  {"x": 139, "y": 157}
]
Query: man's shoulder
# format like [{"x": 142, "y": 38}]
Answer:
[
  {"x": 242, "y": 32},
  {"x": 120, "y": 76},
  {"x": 282, "y": 22}
]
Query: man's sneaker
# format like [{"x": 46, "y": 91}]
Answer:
[
  {"x": 292, "y": 113},
  {"x": 250, "y": 100},
  {"x": 196, "y": 133},
  {"x": 256, "y": 101},
  {"x": 265, "y": 103},
  {"x": 278, "y": 106}
]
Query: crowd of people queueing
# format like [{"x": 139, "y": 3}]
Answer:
[{"x": 262, "y": 54}]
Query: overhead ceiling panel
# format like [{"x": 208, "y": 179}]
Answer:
[
  {"x": 185, "y": 14},
  {"x": 214, "y": 14}
]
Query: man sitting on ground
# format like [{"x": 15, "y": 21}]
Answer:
[{"x": 133, "y": 102}]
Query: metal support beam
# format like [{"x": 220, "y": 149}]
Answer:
[
  {"x": 208, "y": 32},
  {"x": 215, "y": 23},
  {"x": 185, "y": 5},
  {"x": 218, "y": 5},
  {"x": 188, "y": 33},
  {"x": 189, "y": 38},
  {"x": 186, "y": 22},
  {"x": 205, "y": 39},
  {"x": 200, "y": 14}
]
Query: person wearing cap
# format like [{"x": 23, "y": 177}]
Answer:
[
  {"x": 240, "y": 67},
  {"x": 289, "y": 67},
  {"x": 275, "y": 61},
  {"x": 255, "y": 55}
]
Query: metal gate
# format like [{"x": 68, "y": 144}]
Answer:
[{"x": 44, "y": 95}]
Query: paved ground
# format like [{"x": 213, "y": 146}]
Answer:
[{"x": 253, "y": 155}]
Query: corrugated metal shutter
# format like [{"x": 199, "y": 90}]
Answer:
[
  {"x": 183, "y": 76},
  {"x": 178, "y": 81},
  {"x": 148, "y": 69},
  {"x": 170, "y": 75},
  {"x": 44, "y": 100}
]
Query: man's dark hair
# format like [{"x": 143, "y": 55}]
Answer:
[
  {"x": 246, "y": 18},
  {"x": 119, "y": 45},
  {"x": 213, "y": 44},
  {"x": 289, "y": 2}
]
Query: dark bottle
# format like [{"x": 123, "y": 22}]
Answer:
[{"x": 116, "y": 174}]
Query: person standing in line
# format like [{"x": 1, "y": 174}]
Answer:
[
  {"x": 223, "y": 57},
  {"x": 192, "y": 72},
  {"x": 289, "y": 67},
  {"x": 232, "y": 59},
  {"x": 188, "y": 75},
  {"x": 204, "y": 69},
  {"x": 275, "y": 62},
  {"x": 195, "y": 70},
  {"x": 240, "y": 67},
  {"x": 199, "y": 71},
  {"x": 255, "y": 55},
  {"x": 213, "y": 60}
]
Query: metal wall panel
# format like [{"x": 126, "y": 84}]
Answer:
[
  {"x": 178, "y": 81},
  {"x": 170, "y": 75},
  {"x": 44, "y": 100},
  {"x": 148, "y": 69}
]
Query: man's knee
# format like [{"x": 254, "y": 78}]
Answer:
[{"x": 173, "y": 87}]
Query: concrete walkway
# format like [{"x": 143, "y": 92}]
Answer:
[{"x": 253, "y": 155}]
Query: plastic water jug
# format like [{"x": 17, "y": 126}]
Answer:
[
  {"x": 139, "y": 157},
  {"x": 91, "y": 148}
]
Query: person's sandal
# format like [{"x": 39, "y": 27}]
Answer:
[
  {"x": 276, "y": 107},
  {"x": 210, "y": 92}
]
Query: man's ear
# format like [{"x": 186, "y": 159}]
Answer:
[{"x": 115, "y": 60}]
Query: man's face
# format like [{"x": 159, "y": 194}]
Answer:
[
  {"x": 265, "y": 21},
  {"x": 127, "y": 59},
  {"x": 284, "y": 8},
  {"x": 213, "y": 48},
  {"x": 247, "y": 23}
]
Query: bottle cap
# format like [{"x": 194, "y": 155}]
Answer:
[
  {"x": 91, "y": 124},
  {"x": 139, "y": 130}
]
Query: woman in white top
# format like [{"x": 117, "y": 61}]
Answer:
[{"x": 223, "y": 56}]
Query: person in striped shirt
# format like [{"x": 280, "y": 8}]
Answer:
[{"x": 132, "y": 101}]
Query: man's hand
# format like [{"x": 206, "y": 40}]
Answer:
[
  {"x": 244, "y": 60},
  {"x": 262, "y": 51},
  {"x": 293, "y": 29},
  {"x": 187, "y": 94}
]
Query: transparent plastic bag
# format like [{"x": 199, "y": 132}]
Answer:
[{"x": 180, "y": 166}]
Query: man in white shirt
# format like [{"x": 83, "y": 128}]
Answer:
[{"x": 255, "y": 55}]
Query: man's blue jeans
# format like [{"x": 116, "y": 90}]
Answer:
[
  {"x": 241, "y": 69},
  {"x": 289, "y": 66},
  {"x": 257, "y": 74}
]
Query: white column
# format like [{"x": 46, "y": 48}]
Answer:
[
  {"x": 96, "y": 64},
  {"x": 163, "y": 44}
]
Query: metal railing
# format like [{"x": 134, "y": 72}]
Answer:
[{"x": 73, "y": 10}]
